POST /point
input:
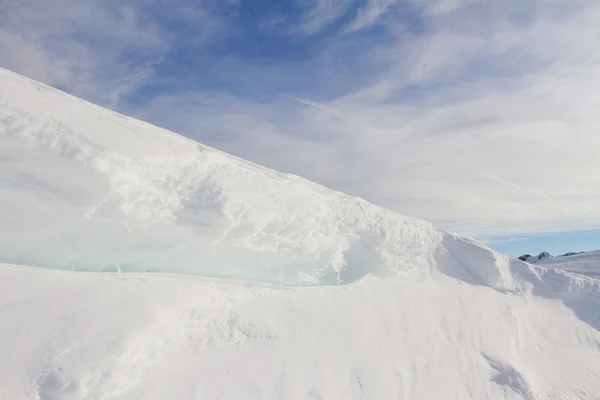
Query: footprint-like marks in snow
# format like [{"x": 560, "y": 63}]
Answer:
[{"x": 507, "y": 376}]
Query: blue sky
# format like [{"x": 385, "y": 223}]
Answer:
[
  {"x": 480, "y": 116},
  {"x": 555, "y": 243}
]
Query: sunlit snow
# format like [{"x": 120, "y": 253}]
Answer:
[{"x": 396, "y": 309}]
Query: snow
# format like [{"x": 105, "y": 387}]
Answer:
[
  {"x": 85, "y": 188},
  {"x": 534, "y": 259},
  {"x": 320, "y": 295},
  {"x": 585, "y": 263},
  {"x": 73, "y": 335}
]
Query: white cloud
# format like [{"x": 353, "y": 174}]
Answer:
[
  {"x": 97, "y": 50},
  {"x": 80, "y": 45},
  {"x": 29, "y": 58},
  {"x": 322, "y": 13},
  {"x": 435, "y": 7},
  {"x": 369, "y": 14},
  {"x": 500, "y": 239}
]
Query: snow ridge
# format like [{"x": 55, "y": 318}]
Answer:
[
  {"x": 83, "y": 187},
  {"x": 210, "y": 213}
]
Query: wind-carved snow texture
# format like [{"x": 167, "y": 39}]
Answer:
[
  {"x": 507, "y": 376},
  {"x": 82, "y": 187},
  {"x": 85, "y": 188}
]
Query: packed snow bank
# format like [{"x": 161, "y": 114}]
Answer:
[
  {"x": 481, "y": 265},
  {"x": 82, "y": 187},
  {"x": 73, "y": 335}
]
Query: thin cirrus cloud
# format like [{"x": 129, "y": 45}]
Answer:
[
  {"x": 322, "y": 13},
  {"x": 369, "y": 14},
  {"x": 97, "y": 50},
  {"x": 479, "y": 116}
]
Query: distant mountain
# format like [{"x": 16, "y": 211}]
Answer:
[
  {"x": 544, "y": 255},
  {"x": 582, "y": 263},
  {"x": 533, "y": 259}
]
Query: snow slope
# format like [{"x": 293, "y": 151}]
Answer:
[
  {"x": 74, "y": 335},
  {"x": 585, "y": 263},
  {"x": 82, "y": 187},
  {"x": 421, "y": 314}
]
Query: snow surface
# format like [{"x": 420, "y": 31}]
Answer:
[
  {"x": 82, "y": 187},
  {"x": 349, "y": 301},
  {"x": 74, "y": 335},
  {"x": 585, "y": 263}
]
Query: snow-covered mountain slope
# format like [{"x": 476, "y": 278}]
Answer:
[
  {"x": 424, "y": 314},
  {"x": 587, "y": 263}
]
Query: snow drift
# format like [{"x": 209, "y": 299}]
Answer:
[
  {"x": 85, "y": 188},
  {"x": 70, "y": 336},
  {"x": 82, "y": 187}
]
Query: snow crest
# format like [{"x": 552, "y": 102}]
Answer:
[
  {"x": 82, "y": 187},
  {"x": 86, "y": 186}
]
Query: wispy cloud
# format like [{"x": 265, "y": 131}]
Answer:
[
  {"x": 321, "y": 13},
  {"x": 504, "y": 240},
  {"x": 369, "y": 14},
  {"x": 99, "y": 50}
]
